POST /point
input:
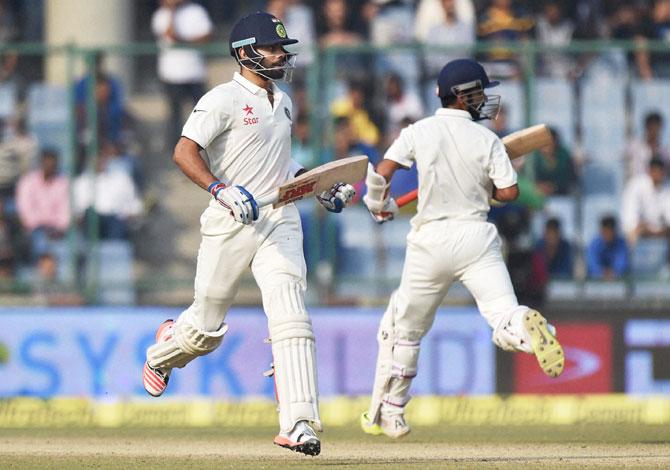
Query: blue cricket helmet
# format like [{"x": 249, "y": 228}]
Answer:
[
  {"x": 258, "y": 29},
  {"x": 460, "y": 72}
]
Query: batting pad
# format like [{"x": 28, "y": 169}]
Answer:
[
  {"x": 186, "y": 343},
  {"x": 294, "y": 356}
]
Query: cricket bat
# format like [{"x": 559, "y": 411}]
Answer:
[
  {"x": 517, "y": 144},
  {"x": 346, "y": 170}
]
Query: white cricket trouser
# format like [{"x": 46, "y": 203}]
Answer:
[
  {"x": 440, "y": 252},
  {"x": 272, "y": 246}
]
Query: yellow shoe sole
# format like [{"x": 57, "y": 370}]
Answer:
[
  {"x": 546, "y": 347},
  {"x": 370, "y": 428}
]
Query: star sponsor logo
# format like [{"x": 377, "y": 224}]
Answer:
[{"x": 248, "y": 121}]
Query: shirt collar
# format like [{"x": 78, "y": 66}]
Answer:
[
  {"x": 252, "y": 87},
  {"x": 453, "y": 113}
]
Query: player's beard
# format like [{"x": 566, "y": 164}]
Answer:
[{"x": 274, "y": 71}]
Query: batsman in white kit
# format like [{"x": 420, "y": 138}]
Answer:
[
  {"x": 237, "y": 144},
  {"x": 461, "y": 165}
]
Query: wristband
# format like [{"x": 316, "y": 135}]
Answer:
[{"x": 215, "y": 187}]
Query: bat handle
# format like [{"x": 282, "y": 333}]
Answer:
[
  {"x": 267, "y": 199},
  {"x": 407, "y": 198}
]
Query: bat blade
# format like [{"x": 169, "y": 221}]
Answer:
[
  {"x": 527, "y": 140},
  {"x": 346, "y": 170}
]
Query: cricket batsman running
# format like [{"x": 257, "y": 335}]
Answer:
[
  {"x": 461, "y": 164},
  {"x": 237, "y": 143}
]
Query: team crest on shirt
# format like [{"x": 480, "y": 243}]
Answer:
[
  {"x": 249, "y": 120},
  {"x": 288, "y": 113}
]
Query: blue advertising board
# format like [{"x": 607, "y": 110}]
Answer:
[{"x": 99, "y": 352}]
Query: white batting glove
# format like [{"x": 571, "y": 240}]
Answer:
[
  {"x": 237, "y": 200},
  {"x": 337, "y": 197},
  {"x": 388, "y": 211}
]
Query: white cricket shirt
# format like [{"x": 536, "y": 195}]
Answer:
[
  {"x": 457, "y": 161},
  {"x": 247, "y": 140},
  {"x": 642, "y": 202},
  {"x": 178, "y": 64}
]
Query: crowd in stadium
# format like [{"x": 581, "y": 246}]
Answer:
[{"x": 38, "y": 203}]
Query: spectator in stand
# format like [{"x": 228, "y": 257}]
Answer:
[
  {"x": 110, "y": 195},
  {"x": 182, "y": 70},
  {"x": 639, "y": 151},
  {"x": 554, "y": 170},
  {"x": 335, "y": 25},
  {"x": 400, "y": 106},
  {"x": 451, "y": 31},
  {"x": 432, "y": 13},
  {"x": 502, "y": 23},
  {"x": 554, "y": 29},
  {"x": 626, "y": 24},
  {"x": 353, "y": 106},
  {"x": 43, "y": 205},
  {"x": 646, "y": 204},
  {"x": 607, "y": 253},
  {"x": 555, "y": 250},
  {"x": 108, "y": 94}
]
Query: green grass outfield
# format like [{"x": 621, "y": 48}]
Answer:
[{"x": 427, "y": 447}]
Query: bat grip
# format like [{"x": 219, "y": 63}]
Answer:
[
  {"x": 267, "y": 199},
  {"x": 407, "y": 198}
]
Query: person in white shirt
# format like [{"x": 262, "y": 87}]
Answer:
[
  {"x": 237, "y": 143},
  {"x": 460, "y": 165},
  {"x": 111, "y": 193},
  {"x": 645, "y": 208},
  {"x": 640, "y": 150},
  {"x": 182, "y": 70}
]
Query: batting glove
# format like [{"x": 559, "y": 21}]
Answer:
[
  {"x": 237, "y": 200},
  {"x": 388, "y": 212},
  {"x": 337, "y": 197}
]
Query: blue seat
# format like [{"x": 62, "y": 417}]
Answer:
[
  {"x": 649, "y": 256},
  {"x": 553, "y": 101},
  {"x": 594, "y": 207},
  {"x": 114, "y": 274}
]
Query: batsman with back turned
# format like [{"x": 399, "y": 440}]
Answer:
[
  {"x": 237, "y": 144},
  {"x": 461, "y": 165}
]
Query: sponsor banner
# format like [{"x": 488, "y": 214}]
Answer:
[
  {"x": 647, "y": 358},
  {"x": 588, "y": 362},
  {"x": 519, "y": 410},
  {"x": 99, "y": 352}
]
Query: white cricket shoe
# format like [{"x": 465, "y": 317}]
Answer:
[
  {"x": 155, "y": 380},
  {"x": 302, "y": 438},
  {"x": 391, "y": 424},
  {"x": 546, "y": 347}
]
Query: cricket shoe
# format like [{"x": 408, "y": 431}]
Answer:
[
  {"x": 546, "y": 347},
  {"x": 393, "y": 425},
  {"x": 155, "y": 380},
  {"x": 301, "y": 439}
]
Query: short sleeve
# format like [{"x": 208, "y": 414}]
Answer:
[
  {"x": 158, "y": 22},
  {"x": 209, "y": 119},
  {"x": 500, "y": 168},
  {"x": 402, "y": 150}
]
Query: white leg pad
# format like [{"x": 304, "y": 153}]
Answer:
[
  {"x": 186, "y": 344},
  {"x": 294, "y": 355},
  {"x": 396, "y": 366}
]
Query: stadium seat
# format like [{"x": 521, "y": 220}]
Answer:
[
  {"x": 600, "y": 177},
  {"x": 601, "y": 105},
  {"x": 7, "y": 100},
  {"x": 649, "y": 257},
  {"x": 653, "y": 95},
  {"x": 48, "y": 114},
  {"x": 114, "y": 274},
  {"x": 553, "y": 101}
]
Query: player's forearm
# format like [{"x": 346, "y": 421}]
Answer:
[
  {"x": 506, "y": 194},
  {"x": 387, "y": 168},
  {"x": 187, "y": 158}
]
